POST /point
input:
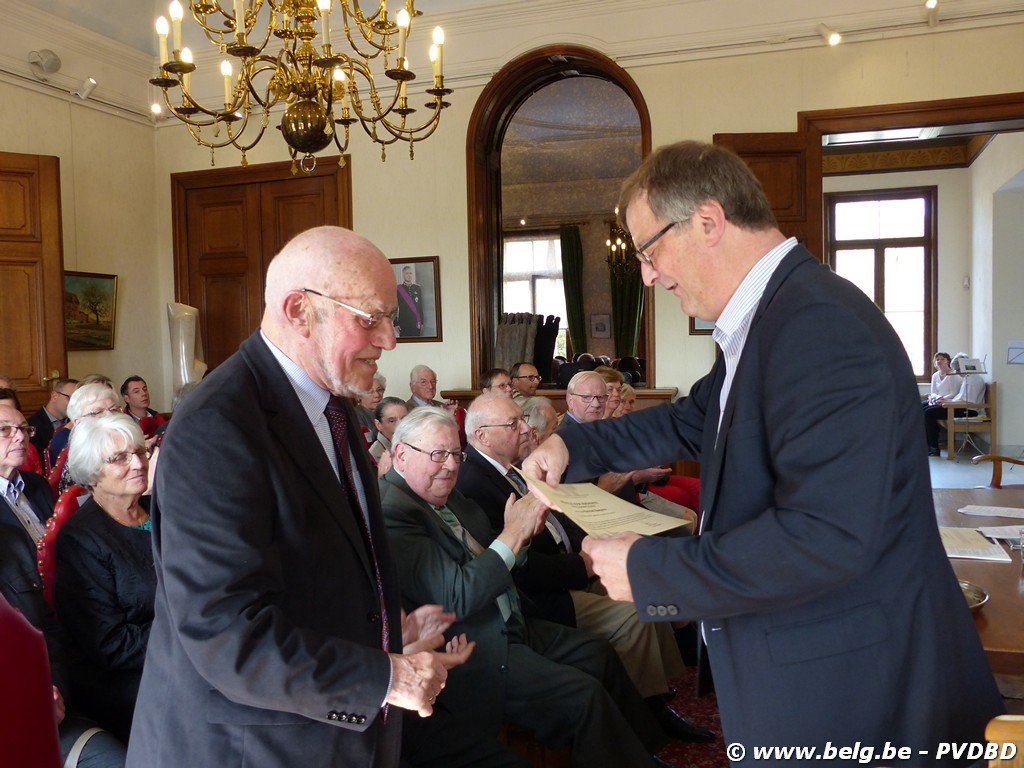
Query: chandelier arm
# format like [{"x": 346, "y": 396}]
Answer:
[{"x": 411, "y": 134}]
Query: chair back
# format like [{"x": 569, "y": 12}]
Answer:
[
  {"x": 58, "y": 470},
  {"x": 996, "y": 480},
  {"x": 66, "y": 506}
]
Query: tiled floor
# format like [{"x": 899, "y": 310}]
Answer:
[{"x": 962, "y": 474}]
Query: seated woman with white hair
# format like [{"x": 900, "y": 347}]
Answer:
[
  {"x": 106, "y": 583},
  {"x": 87, "y": 401}
]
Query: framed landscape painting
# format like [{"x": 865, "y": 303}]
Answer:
[{"x": 90, "y": 302}]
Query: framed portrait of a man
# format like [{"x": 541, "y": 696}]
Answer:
[{"x": 418, "y": 287}]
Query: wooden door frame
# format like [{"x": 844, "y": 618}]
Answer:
[
  {"x": 182, "y": 183},
  {"x": 494, "y": 109}
]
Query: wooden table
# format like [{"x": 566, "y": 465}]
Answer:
[{"x": 1000, "y": 621}]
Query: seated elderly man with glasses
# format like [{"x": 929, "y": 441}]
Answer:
[{"x": 565, "y": 685}]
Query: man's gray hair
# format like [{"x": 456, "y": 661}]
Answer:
[
  {"x": 535, "y": 411},
  {"x": 379, "y": 377},
  {"x": 477, "y": 412},
  {"x": 421, "y": 419},
  {"x": 86, "y": 396},
  {"x": 583, "y": 376},
  {"x": 417, "y": 370},
  {"x": 93, "y": 440}
]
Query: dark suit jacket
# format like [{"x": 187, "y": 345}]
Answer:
[
  {"x": 434, "y": 567},
  {"x": 44, "y": 429},
  {"x": 265, "y": 649},
  {"x": 830, "y": 609},
  {"x": 40, "y": 498},
  {"x": 550, "y": 572}
]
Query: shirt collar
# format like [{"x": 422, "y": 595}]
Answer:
[
  {"x": 492, "y": 461},
  {"x": 311, "y": 395},
  {"x": 16, "y": 483},
  {"x": 748, "y": 294}
]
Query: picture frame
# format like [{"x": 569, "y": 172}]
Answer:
[
  {"x": 90, "y": 311},
  {"x": 601, "y": 326},
  {"x": 419, "y": 304},
  {"x": 700, "y": 327}
]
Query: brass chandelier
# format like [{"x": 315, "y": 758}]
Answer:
[{"x": 319, "y": 86}]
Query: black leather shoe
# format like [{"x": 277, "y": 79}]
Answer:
[{"x": 678, "y": 727}]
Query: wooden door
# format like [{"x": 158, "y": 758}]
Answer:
[
  {"x": 229, "y": 224},
  {"x": 789, "y": 168},
  {"x": 31, "y": 275}
]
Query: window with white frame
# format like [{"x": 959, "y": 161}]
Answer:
[{"x": 531, "y": 279}]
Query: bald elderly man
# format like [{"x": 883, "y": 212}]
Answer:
[{"x": 277, "y": 639}]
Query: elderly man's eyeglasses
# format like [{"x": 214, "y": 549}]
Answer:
[
  {"x": 125, "y": 457},
  {"x": 534, "y": 377},
  {"x": 8, "y": 430},
  {"x": 643, "y": 251},
  {"x": 588, "y": 399},
  {"x": 514, "y": 424},
  {"x": 439, "y": 456},
  {"x": 367, "y": 319}
]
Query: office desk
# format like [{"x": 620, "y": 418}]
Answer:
[{"x": 1000, "y": 621}]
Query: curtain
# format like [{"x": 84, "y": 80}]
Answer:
[
  {"x": 572, "y": 281},
  {"x": 627, "y": 304}
]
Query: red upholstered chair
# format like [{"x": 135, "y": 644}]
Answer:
[
  {"x": 58, "y": 470},
  {"x": 66, "y": 506},
  {"x": 28, "y": 725}
]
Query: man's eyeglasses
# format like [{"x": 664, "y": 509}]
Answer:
[
  {"x": 534, "y": 377},
  {"x": 514, "y": 424},
  {"x": 439, "y": 456},
  {"x": 588, "y": 399},
  {"x": 367, "y": 319},
  {"x": 378, "y": 390},
  {"x": 642, "y": 252},
  {"x": 8, "y": 430},
  {"x": 58, "y": 392},
  {"x": 125, "y": 457}
]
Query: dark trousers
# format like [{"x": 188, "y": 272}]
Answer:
[
  {"x": 933, "y": 414},
  {"x": 568, "y": 686},
  {"x": 102, "y": 750}
]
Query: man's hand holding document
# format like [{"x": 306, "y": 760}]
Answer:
[{"x": 598, "y": 512}]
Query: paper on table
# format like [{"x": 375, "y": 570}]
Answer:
[
  {"x": 1007, "y": 532},
  {"x": 969, "y": 544},
  {"x": 600, "y": 513},
  {"x": 975, "y": 509}
]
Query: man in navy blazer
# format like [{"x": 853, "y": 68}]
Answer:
[
  {"x": 828, "y": 606},
  {"x": 277, "y": 635},
  {"x": 26, "y": 499}
]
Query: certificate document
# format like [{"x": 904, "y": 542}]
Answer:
[{"x": 599, "y": 513}]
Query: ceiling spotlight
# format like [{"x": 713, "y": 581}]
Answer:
[
  {"x": 829, "y": 35},
  {"x": 931, "y": 4},
  {"x": 87, "y": 87},
  {"x": 43, "y": 63}
]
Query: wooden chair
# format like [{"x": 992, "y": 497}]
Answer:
[
  {"x": 997, "y": 469},
  {"x": 968, "y": 425},
  {"x": 1007, "y": 729}
]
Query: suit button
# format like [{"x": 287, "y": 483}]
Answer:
[
  {"x": 662, "y": 610},
  {"x": 504, "y": 631},
  {"x": 373, "y": 617},
  {"x": 672, "y": 610},
  {"x": 360, "y": 720},
  {"x": 652, "y": 611},
  {"x": 353, "y": 719},
  {"x": 503, "y": 668},
  {"x": 332, "y": 715}
]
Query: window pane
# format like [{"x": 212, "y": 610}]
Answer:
[
  {"x": 858, "y": 266},
  {"x": 904, "y": 280},
  {"x": 857, "y": 220},
  {"x": 901, "y": 218},
  {"x": 909, "y": 326},
  {"x": 533, "y": 256},
  {"x": 550, "y": 296},
  {"x": 516, "y": 296}
]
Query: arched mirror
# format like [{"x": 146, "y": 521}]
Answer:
[{"x": 551, "y": 139}]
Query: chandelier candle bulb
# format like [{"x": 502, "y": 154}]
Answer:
[
  {"x": 438, "y": 38},
  {"x": 435, "y": 63},
  {"x": 177, "y": 13},
  {"x": 162, "y": 28},
  {"x": 325, "y": 19},
  {"x": 225, "y": 69},
  {"x": 239, "y": 19},
  {"x": 186, "y": 78},
  {"x": 403, "y": 20}
]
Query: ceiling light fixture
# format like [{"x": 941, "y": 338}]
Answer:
[
  {"x": 931, "y": 5},
  {"x": 85, "y": 89},
  {"x": 829, "y": 35},
  {"x": 319, "y": 86}
]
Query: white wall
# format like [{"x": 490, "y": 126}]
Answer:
[{"x": 108, "y": 218}]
